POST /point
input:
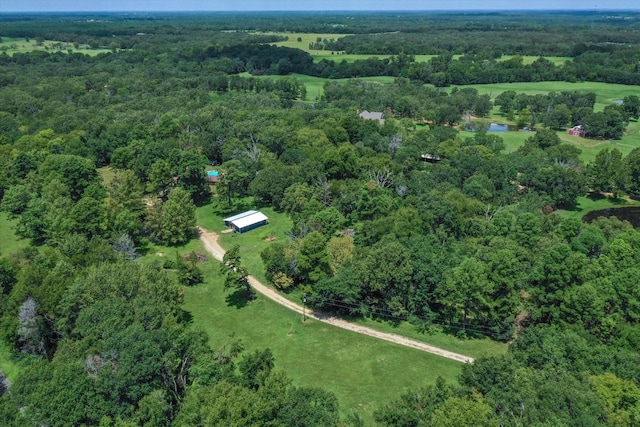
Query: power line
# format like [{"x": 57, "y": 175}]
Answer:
[{"x": 382, "y": 312}]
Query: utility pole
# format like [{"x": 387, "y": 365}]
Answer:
[{"x": 304, "y": 307}]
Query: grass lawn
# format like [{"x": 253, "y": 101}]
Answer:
[
  {"x": 606, "y": 94},
  {"x": 8, "y": 364},
  {"x": 10, "y": 243},
  {"x": 363, "y": 372},
  {"x": 587, "y": 204},
  {"x": 252, "y": 242}
]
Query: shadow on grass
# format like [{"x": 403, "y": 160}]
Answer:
[
  {"x": 236, "y": 206},
  {"x": 617, "y": 200},
  {"x": 184, "y": 316},
  {"x": 239, "y": 298},
  {"x": 595, "y": 196}
]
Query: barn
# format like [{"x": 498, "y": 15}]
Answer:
[
  {"x": 246, "y": 221},
  {"x": 577, "y": 131}
]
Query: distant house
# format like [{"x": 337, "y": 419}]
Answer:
[
  {"x": 430, "y": 158},
  {"x": 246, "y": 221},
  {"x": 373, "y": 115},
  {"x": 577, "y": 131},
  {"x": 213, "y": 177}
]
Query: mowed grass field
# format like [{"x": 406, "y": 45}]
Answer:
[
  {"x": 606, "y": 94},
  {"x": 363, "y": 372},
  {"x": 21, "y": 45},
  {"x": 302, "y": 41}
]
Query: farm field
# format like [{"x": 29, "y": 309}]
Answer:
[
  {"x": 302, "y": 40},
  {"x": 315, "y": 85}
]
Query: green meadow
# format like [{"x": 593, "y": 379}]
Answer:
[
  {"x": 21, "y": 45},
  {"x": 10, "y": 243},
  {"x": 363, "y": 372},
  {"x": 606, "y": 94}
]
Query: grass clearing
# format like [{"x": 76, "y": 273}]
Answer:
[
  {"x": 362, "y": 371},
  {"x": 22, "y": 45},
  {"x": 315, "y": 85},
  {"x": 10, "y": 242},
  {"x": 9, "y": 366},
  {"x": 587, "y": 204},
  {"x": 606, "y": 94}
]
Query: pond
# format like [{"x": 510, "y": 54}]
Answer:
[
  {"x": 495, "y": 127},
  {"x": 631, "y": 214}
]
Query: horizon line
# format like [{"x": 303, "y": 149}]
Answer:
[{"x": 328, "y": 10}]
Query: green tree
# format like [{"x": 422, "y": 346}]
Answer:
[
  {"x": 313, "y": 260},
  {"x": 232, "y": 182},
  {"x": 161, "y": 179},
  {"x": 236, "y": 275},
  {"x": 178, "y": 218},
  {"x": 75, "y": 172},
  {"x": 466, "y": 411},
  {"x": 607, "y": 172},
  {"x": 385, "y": 271}
]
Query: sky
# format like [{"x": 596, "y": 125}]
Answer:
[{"x": 295, "y": 5}]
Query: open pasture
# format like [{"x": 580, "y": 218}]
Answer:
[
  {"x": 22, "y": 45},
  {"x": 606, "y": 94}
]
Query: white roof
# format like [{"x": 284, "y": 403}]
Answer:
[
  {"x": 248, "y": 220},
  {"x": 242, "y": 215},
  {"x": 373, "y": 115}
]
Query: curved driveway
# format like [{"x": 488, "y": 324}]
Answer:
[{"x": 210, "y": 241}]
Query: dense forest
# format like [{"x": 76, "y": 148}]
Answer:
[{"x": 469, "y": 242}]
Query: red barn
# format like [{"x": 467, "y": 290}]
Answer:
[{"x": 576, "y": 131}]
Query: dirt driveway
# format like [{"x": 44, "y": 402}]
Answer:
[{"x": 210, "y": 242}]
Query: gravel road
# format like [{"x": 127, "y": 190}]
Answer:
[{"x": 210, "y": 242}]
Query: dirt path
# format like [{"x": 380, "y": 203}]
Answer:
[{"x": 210, "y": 242}]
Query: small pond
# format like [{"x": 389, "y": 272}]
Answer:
[
  {"x": 493, "y": 127},
  {"x": 631, "y": 214}
]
